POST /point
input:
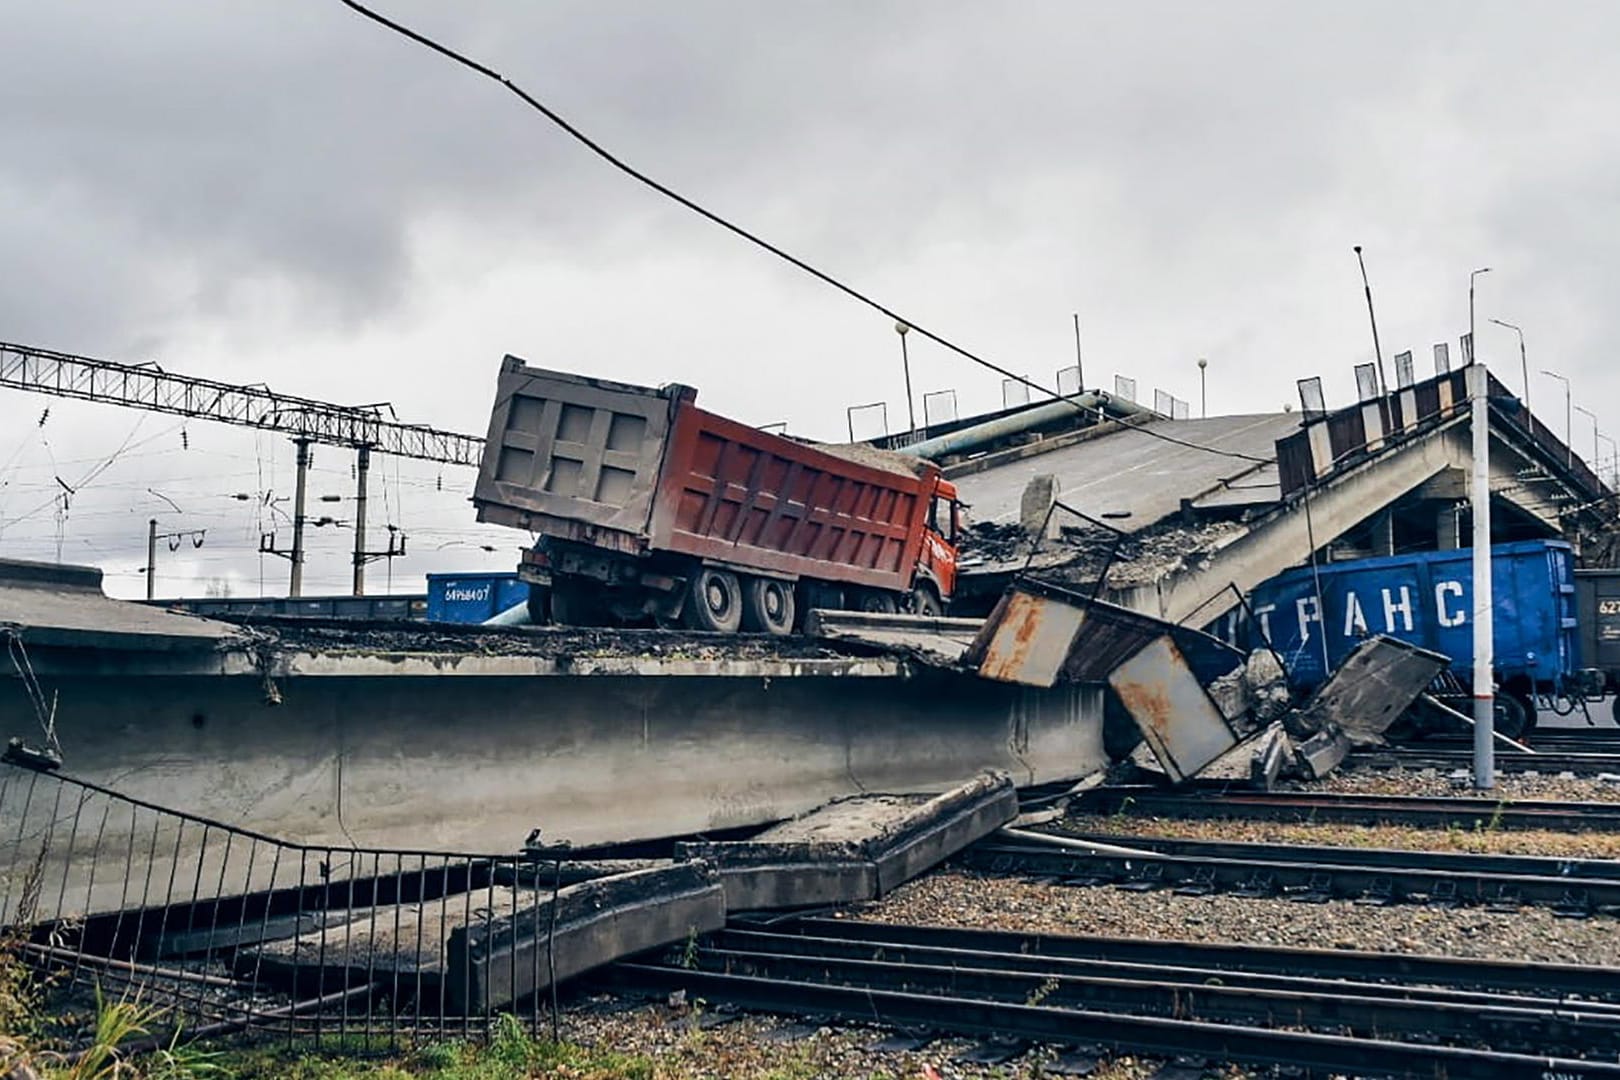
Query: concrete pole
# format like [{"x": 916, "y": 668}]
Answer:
[
  {"x": 151, "y": 558},
  {"x": 296, "y": 586},
  {"x": 362, "y": 468},
  {"x": 1484, "y": 655}
]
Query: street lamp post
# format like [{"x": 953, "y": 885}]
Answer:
[
  {"x": 1378, "y": 352},
  {"x": 905, "y": 361},
  {"x": 1571, "y": 450},
  {"x": 1473, "y": 342},
  {"x": 1614, "y": 463},
  {"x": 1590, "y": 415},
  {"x": 1524, "y": 364},
  {"x": 1203, "y": 389}
]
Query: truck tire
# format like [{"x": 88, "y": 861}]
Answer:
[
  {"x": 876, "y": 601},
  {"x": 714, "y": 601},
  {"x": 925, "y": 601},
  {"x": 768, "y": 606},
  {"x": 539, "y": 605},
  {"x": 571, "y": 604},
  {"x": 1614, "y": 710}
]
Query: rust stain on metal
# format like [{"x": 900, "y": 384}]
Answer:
[{"x": 1149, "y": 705}]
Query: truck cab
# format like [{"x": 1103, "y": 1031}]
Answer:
[{"x": 936, "y": 559}]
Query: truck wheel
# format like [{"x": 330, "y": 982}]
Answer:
[
  {"x": 539, "y": 605},
  {"x": 571, "y": 605},
  {"x": 714, "y": 601},
  {"x": 768, "y": 606},
  {"x": 1614, "y": 710},
  {"x": 876, "y": 602},
  {"x": 924, "y": 601}
]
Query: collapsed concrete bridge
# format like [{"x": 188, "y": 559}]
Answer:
[{"x": 1198, "y": 527}]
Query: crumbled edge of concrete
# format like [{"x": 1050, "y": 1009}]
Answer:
[
  {"x": 795, "y": 871},
  {"x": 596, "y": 922}
]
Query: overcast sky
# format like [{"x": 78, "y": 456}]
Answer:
[{"x": 282, "y": 192}]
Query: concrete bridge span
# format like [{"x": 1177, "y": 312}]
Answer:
[{"x": 470, "y": 752}]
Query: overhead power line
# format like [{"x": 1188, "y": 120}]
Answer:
[{"x": 606, "y": 155}]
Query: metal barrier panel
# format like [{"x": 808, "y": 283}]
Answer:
[{"x": 215, "y": 930}]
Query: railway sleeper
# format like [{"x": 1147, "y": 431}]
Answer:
[
  {"x": 1390, "y": 1012},
  {"x": 1120, "y": 1031}
]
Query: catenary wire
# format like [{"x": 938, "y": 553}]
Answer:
[{"x": 606, "y": 155}]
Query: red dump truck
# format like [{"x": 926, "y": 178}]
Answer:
[{"x": 648, "y": 509}]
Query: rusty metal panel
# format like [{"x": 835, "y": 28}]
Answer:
[
  {"x": 1026, "y": 640},
  {"x": 572, "y": 456},
  {"x": 1372, "y": 687},
  {"x": 733, "y": 494},
  {"x": 1177, "y": 717},
  {"x": 1020, "y": 640}
]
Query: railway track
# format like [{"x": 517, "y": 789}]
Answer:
[
  {"x": 1586, "y": 763},
  {"x": 1574, "y": 887},
  {"x": 1577, "y": 740},
  {"x": 1375, "y": 1014},
  {"x": 1353, "y": 809}
]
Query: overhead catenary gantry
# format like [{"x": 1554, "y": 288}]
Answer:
[{"x": 147, "y": 386}]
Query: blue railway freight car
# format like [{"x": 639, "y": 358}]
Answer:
[
  {"x": 1426, "y": 599},
  {"x": 473, "y": 598}
]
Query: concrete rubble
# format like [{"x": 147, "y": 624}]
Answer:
[
  {"x": 858, "y": 848},
  {"x": 512, "y": 937},
  {"x": 1204, "y": 710}
]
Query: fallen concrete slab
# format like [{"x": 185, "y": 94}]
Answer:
[
  {"x": 933, "y": 639},
  {"x": 514, "y": 954},
  {"x": 400, "y": 943},
  {"x": 1377, "y": 682},
  {"x": 857, "y": 848}
]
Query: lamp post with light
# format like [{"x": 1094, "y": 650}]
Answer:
[
  {"x": 1570, "y": 449},
  {"x": 1203, "y": 389},
  {"x": 1524, "y": 364},
  {"x": 1590, "y": 415},
  {"x": 905, "y": 361}
]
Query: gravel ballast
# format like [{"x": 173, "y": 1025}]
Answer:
[
  {"x": 747, "y": 1049},
  {"x": 962, "y": 898}
]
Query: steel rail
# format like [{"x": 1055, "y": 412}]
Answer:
[
  {"x": 1383, "y": 1011},
  {"x": 1153, "y": 1035},
  {"x": 1257, "y": 876},
  {"x": 946, "y": 950},
  {"x": 1577, "y": 981},
  {"x": 1429, "y": 811},
  {"x": 1507, "y": 761},
  {"x": 1455, "y": 862}
]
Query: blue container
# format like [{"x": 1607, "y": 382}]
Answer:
[
  {"x": 1426, "y": 599},
  {"x": 473, "y": 598}
]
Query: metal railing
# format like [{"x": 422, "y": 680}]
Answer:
[{"x": 222, "y": 929}]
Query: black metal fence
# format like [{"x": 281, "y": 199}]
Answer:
[{"x": 227, "y": 930}]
